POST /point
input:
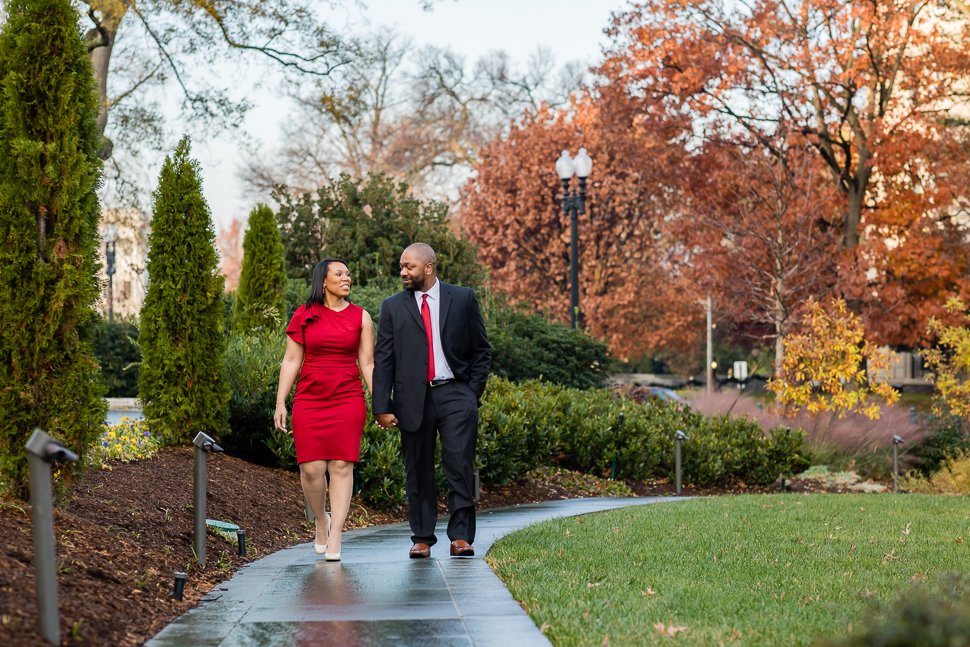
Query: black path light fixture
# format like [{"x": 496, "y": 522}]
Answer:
[
  {"x": 897, "y": 441},
  {"x": 42, "y": 450},
  {"x": 203, "y": 445},
  {"x": 110, "y": 236},
  {"x": 679, "y": 437},
  {"x": 574, "y": 204}
]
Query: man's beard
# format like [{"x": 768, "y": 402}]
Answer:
[{"x": 415, "y": 286}]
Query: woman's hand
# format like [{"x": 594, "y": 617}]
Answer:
[{"x": 280, "y": 417}]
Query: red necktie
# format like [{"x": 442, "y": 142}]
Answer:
[{"x": 426, "y": 318}]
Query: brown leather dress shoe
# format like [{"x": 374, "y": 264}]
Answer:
[
  {"x": 420, "y": 550},
  {"x": 461, "y": 548}
]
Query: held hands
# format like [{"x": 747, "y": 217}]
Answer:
[
  {"x": 280, "y": 417},
  {"x": 385, "y": 420}
]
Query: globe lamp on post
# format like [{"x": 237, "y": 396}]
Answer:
[{"x": 574, "y": 204}]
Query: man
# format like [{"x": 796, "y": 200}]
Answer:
[{"x": 433, "y": 354}]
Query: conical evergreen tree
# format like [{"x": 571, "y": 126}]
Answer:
[
  {"x": 181, "y": 384},
  {"x": 49, "y": 212},
  {"x": 262, "y": 281}
]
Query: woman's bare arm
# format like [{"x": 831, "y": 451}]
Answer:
[
  {"x": 365, "y": 353},
  {"x": 292, "y": 361}
]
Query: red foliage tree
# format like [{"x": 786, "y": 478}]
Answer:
[
  {"x": 872, "y": 85},
  {"x": 757, "y": 230},
  {"x": 629, "y": 293}
]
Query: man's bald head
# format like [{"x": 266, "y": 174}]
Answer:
[
  {"x": 418, "y": 267},
  {"x": 422, "y": 252}
]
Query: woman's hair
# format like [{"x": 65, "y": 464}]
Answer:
[{"x": 320, "y": 271}]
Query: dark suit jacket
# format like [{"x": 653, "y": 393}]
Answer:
[{"x": 401, "y": 353}]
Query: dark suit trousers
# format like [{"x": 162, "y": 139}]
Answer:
[{"x": 451, "y": 410}]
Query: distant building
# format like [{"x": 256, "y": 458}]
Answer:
[{"x": 131, "y": 261}]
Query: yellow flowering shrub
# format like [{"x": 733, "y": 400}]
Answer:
[
  {"x": 950, "y": 362},
  {"x": 126, "y": 441},
  {"x": 828, "y": 367}
]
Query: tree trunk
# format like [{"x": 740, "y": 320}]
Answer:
[
  {"x": 100, "y": 42},
  {"x": 856, "y": 199}
]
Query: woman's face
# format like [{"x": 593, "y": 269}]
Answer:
[{"x": 337, "y": 282}]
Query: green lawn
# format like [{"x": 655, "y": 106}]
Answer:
[{"x": 748, "y": 570}]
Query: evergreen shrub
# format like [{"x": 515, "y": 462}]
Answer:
[
  {"x": 182, "y": 384},
  {"x": 949, "y": 436},
  {"x": 117, "y": 352},
  {"x": 49, "y": 212},
  {"x": 252, "y": 374},
  {"x": 369, "y": 222},
  {"x": 262, "y": 280}
]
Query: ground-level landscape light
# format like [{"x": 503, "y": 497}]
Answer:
[
  {"x": 180, "y": 578},
  {"x": 896, "y": 442},
  {"x": 241, "y": 538},
  {"x": 203, "y": 445},
  {"x": 678, "y": 438},
  {"x": 42, "y": 450}
]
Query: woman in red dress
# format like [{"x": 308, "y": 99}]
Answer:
[{"x": 330, "y": 344}]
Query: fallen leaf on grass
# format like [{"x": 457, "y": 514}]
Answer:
[
  {"x": 606, "y": 640},
  {"x": 906, "y": 529},
  {"x": 670, "y": 630},
  {"x": 544, "y": 628},
  {"x": 649, "y": 592},
  {"x": 959, "y": 540},
  {"x": 890, "y": 555},
  {"x": 590, "y": 585},
  {"x": 868, "y": 594}
]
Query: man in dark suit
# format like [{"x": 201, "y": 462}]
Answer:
[{"x": 430, "y": 367}]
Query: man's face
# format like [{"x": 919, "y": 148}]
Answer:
[{"x": 416, "y": 274}]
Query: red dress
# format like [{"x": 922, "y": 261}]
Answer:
[{"x": 329, "y": 411}]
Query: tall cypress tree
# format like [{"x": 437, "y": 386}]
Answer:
[
  {"x": 49, "y": 212},
  {"x": 262, "y": 281},
  {"x": 181, "y": 384}
]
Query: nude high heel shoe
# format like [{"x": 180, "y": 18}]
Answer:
[{"x": 321, "y": 549}]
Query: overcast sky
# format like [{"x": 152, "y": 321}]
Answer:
[{"x": 573, "y": 30}]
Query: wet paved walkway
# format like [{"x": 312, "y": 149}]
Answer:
[{"x": 376, "y": 595}]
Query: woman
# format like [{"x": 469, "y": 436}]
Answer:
[{"x": 330, "y": 344}]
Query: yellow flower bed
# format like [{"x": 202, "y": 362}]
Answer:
[{"x": 126, "y": 441}]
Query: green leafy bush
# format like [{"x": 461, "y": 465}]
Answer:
[
  {"x": 116, "y": 349},
  {"x": 252, "y": 374},
  {"x": 936, "y": 615},
  {"x": 528, "y": 346},
  {"x": 949, "y": 436},
  {"x": 586, "y": 426}
]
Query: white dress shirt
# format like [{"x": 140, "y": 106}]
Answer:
[{"x": 441, "y": 369}]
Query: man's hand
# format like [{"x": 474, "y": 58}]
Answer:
[{"x": 385, "y": 420}]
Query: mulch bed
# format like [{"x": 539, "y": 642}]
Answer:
[{"x": 122, "y": 533}]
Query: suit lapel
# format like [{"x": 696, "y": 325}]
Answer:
[
  {"x": 412, "y": 306},
  {"x": 445, "y": 293}
]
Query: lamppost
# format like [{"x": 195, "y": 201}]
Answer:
[
  {"x": 574, "y": 204},
  {"x": 110, "y": 236}
]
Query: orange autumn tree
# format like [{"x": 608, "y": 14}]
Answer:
[
  {"x": 757, "y": 232},
  {"x": 629, "y": 281},
  {"x": 875, "y": 87}
]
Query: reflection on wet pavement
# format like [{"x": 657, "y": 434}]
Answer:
[{"x": 376, "y": 595}]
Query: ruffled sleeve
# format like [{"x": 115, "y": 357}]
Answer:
[{"x": 301, "y": 319}]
